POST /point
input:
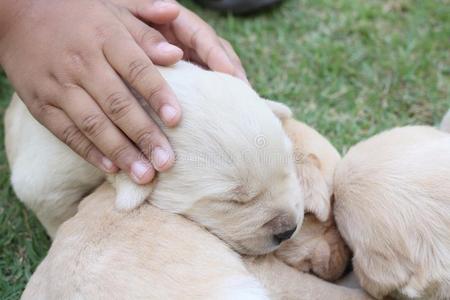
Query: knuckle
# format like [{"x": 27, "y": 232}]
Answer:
[
  {"x": 118, "y": 105},
  {"x": 93, "y": 125},
  {"x": 194, "y": 38},
  {"x": 212, "y": 50},
  {"x": 136, "y": 70},
  {"x": 155, "y": 89},
  {"x": 72, "y": 137},
  {"x": 145, "y": 139},
  {"x": 85, "y": 149},
  {"x": 76, "y": 60},
  {"x": 40, "y": 110},
  {"x": 102, "y": 31},
  {"x": 149, "y": 35},
  {"x": 119, "y": 153}
]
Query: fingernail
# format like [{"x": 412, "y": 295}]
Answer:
[
  {"x": 108, "y": 165},
  {"x": 166, "y": 47},
  {"x": 163, "y": 5},
  {"x": 168, "y": 113},
  {"x": 139, "y": 169},
  {"x": 160, "y": 157}
]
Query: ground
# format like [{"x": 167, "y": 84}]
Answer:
[{"x": 350, "y": 68}]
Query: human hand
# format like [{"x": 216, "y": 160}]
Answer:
[
  {"x": 70, "y": 62},
  {"x": 201, "y": 44}
]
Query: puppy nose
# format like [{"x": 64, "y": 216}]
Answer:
[{"x": 280, "y": 237}]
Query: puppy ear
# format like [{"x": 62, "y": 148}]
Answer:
[
  {"x": 129, "y": 195},
  {"x": 315, "y": 187},
  {"x": 280, "y": 110},
  {"x": 445, "y": 124}
]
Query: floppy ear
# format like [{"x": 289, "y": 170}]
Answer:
[
  {"x": 315, "y": 187},
  {"x": 445, "y": 125},
  {"x": 280, "y": 110},
  {"x": 129, "y": 195}
]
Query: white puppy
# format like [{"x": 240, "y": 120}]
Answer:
[
  {"x": 102, "y": 253},
  {"x": 393, "y": 209},
  {"x": 233, "y": 158}
]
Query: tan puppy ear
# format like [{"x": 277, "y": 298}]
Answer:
[
  {"x": 280, "y": 110},
  {"x": 317, "y": 192},
  {"x": 445, "y": 125}
]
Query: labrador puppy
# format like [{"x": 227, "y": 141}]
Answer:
[
  {"x": 224, "y": 171},
  {"x": 318, "y": 246},
  {"x": 148, "y": 253},
  {"x": 392, "y": 207}
]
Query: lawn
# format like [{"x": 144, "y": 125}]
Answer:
[{"x": 350, "y": 68}]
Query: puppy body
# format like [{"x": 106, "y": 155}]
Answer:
[
  {"x": 102, "y": 253},
  {"x": 149, "y": 247},
  {"x": 317, "y": 247},
  {"x": 224, "y": 146},
  {"x": 392, "y": 207},
  {"x": 287, "y": 283}
]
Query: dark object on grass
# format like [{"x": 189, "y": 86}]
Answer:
[{"x": 238, "y": 6}]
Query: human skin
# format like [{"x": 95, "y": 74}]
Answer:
[{"x": 72, "y": 63}]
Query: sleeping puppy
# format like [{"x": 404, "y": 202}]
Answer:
[
  {"x": 224, "y": 171},
  {"x": 148, "y": 253},
  {"x": 317, "y": 247},
  {"x": 102, "y": 253},
  {"x": 393, "y": 209}
]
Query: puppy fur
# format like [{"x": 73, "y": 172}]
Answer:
[
  {"x": 103, "y": 253},
  {"x": 317, "y": 247},
  {"x": 392, "y": 207},
  {"x": 233, "y": 158}
]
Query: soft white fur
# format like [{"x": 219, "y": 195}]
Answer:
[
  {"x": 103, "y": 253},
  {"x": 232, "y": 156},
  {"x": 393, "y": 209}
]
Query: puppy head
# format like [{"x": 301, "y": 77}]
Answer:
[
  {"x": 234, "y": 172},
  {"x": 317, "y": 247},
  {"x": 392, "y": 207}
]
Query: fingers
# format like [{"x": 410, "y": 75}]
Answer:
[
  {"x": 127, "y": 114},
  {"x": 139, "y": 72},
  {"x": 158, "y": 12},
  {"x": 151, "y": 41},
  {"x": 240, "y": 71},
  {"x": 96, "y": 126},
  {"x": 64, "y": 129},
  {"x": 154, "y": 11},
  {"x": 196, "y": 34}
]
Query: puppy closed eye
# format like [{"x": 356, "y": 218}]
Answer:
[{"x": 242, "y": 195}]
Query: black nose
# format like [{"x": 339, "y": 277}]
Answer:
[{"x": 280, "y": 237}]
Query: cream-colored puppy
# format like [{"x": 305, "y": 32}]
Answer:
[
  {"x": 317, "y": 247},
  {"x": 393, "y": 209},
  {"x": 184, "y": 261},
  {"x": 102, "y": 253},
  {"x": 233, "y": 159}
]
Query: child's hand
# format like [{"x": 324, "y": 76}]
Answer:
[{"x": 70, "y": 62}]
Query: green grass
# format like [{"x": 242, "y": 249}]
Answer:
[{"x": 350, "y": 68}]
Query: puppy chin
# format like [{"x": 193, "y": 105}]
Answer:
[{"x": 255, "y": 247}]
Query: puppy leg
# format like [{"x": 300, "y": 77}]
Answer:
[{"x": 284, "y": 282}]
